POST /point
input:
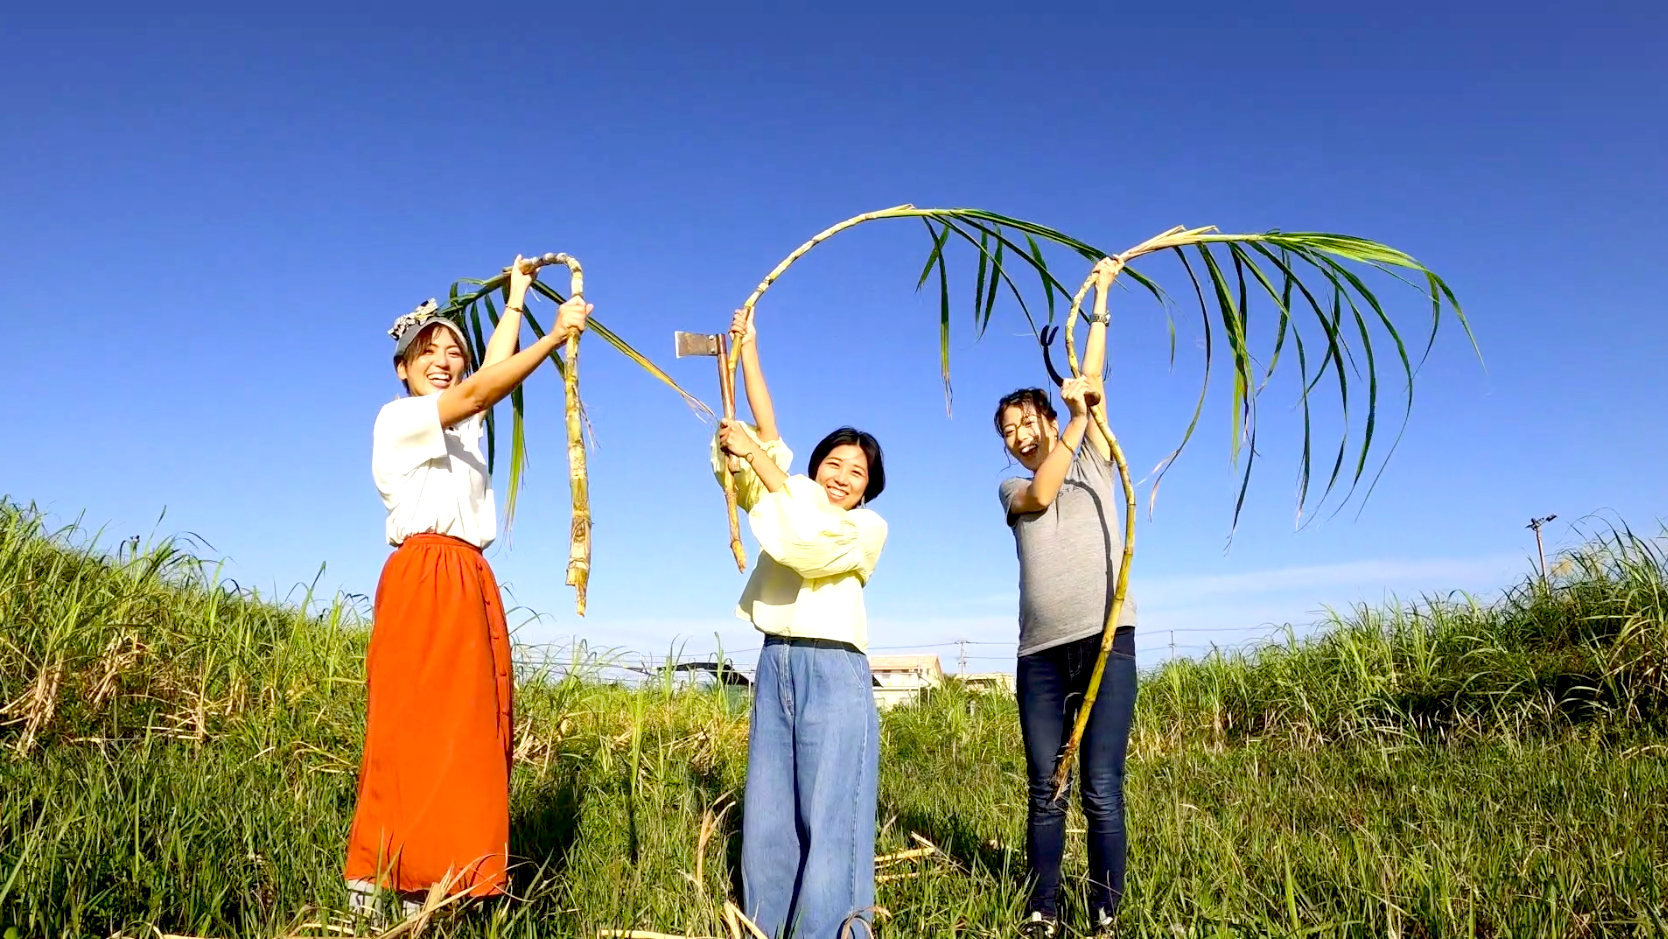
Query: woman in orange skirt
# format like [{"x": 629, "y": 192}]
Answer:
[{"x": 434, "y": 785}]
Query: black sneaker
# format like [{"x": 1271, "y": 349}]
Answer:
[{"x": 1038, "y": 926}]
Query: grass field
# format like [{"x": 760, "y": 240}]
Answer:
[{"x": 179, "y": 758}]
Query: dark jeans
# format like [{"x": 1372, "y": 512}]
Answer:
[{"x": 1051, "y": 684}]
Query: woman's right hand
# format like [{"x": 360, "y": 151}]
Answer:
[
  {"x": 734, "y": 439},
  {"x": 742, "y": 329},
  {"x": 522, "y": 275},
  {"x": 1077, "y": 392}
]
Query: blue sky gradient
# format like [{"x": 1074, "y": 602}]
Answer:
[{"x": 212, "y": 219}]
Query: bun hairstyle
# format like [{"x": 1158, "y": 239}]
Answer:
[
  {"x": 871, "y": 452},
  {"x": 1034, "y": 400}
]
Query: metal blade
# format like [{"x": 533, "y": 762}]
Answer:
[{"x": 696, "y": 343}]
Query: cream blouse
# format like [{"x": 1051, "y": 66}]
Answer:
[{"x": 815, "y": 558}]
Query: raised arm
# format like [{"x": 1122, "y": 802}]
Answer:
[
  {"x": 1051, "y": 475},
  {"x": 493, "y": 383},
  {"x": 505, "y": 335},
  {"x": 1094, "y": 354},
  {"x": 746, "y": 338},
  {"x": 737, "y": 442}
]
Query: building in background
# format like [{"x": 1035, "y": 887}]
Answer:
[
  {"x": 904, "y": 678},
  {"x": 987, "y": 682}
]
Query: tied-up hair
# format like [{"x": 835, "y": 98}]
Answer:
[
  {"x": 864, "y": 441},
  {"x": 1029, "y": 401}
]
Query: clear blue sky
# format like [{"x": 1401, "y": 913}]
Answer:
[{"x": 211, "y": 220}]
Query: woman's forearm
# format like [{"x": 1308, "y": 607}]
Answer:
[
  {"x": 508, "y": 331},
  {"x": 1094, "y": 349},
  {"x": 1094, "y": 365},
  {"x": 1051, "y": 475},
  {"x": 770, "y": 475},
  {"x": 494, "y": 383},
  {"x": 758, "y": 394}
]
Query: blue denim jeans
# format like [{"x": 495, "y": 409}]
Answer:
[
  {"x": 813, "y": 767},
  {"x": 1050, "y": 685}
]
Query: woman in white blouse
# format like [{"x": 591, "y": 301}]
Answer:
[
  {"x": 433, "y": 805},
  {"x": 813, "y": 755}
]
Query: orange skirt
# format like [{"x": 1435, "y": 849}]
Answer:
[{"x": 434, "y": 787}]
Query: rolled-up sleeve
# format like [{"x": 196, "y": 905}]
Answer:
[
  {"x": 804, "y": 533},
  {"x": 407, "y": 434},
  {"x": 749, "y": 488}
]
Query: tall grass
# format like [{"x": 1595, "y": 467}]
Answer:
[{"x": 179, "y": 756}]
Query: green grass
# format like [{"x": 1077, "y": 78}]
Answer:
[{"x": 179, "y": 756}]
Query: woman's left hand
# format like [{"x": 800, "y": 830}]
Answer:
[{"x": 1106, "y": 270}]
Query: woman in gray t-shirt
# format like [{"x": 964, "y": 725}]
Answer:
[{"x": 1066, "y": 534}]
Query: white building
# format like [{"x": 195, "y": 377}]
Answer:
[
  {"x": 990, "y": 682},
  {"x": 903, "y": 678}
]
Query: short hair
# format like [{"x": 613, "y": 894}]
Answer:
[
  {"x": 1031, "y": 399},
  {"x": 871, "y": 452}
]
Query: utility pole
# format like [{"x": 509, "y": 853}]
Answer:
[
  {"x": 1535, "y": 524},
  {"x": 1172, "y": 643},
  {"x": 961, "y": 657}
]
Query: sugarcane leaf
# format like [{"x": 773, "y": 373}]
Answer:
[
  {"x": 593, "y": 325},
  {"x": 990, "y": 296},
  {"x": 475, "y": 332},
  {"x": 1204, "y": 383},
  {"x": 1034, "y": 259},
  {"x": 1232, "y": 327},
  {"x": 1336, "y": 350},
  {"x": 518, "y": 459},
  {"x": 937, "y": 252},
  {"x": 999, "y": 271},
  {"x": 1342, "y": 295},
  {"x": 1048, "y": 280},
  {"x": 944, "y": 327}
]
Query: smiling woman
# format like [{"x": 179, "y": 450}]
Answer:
[
  {"x": 813, "y": 745},
  {"x": 433, "y": 805}
]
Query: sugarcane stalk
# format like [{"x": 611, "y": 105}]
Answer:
[
  {"x": 727, "y": 392},
  {"x": 1062, "y": 770},
  {"x": 728, "y": 356},
  {"x": 579, "y": 535}
]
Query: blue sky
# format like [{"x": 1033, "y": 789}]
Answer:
[{"x": 211, "y": 220}]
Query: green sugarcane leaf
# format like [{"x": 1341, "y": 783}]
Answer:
[
  {"x": 990, "y": 296},
  {"x": 944, "y": 327},
  {"x": 937, "y": 253},
  {"x": 1204, "y": 382}
]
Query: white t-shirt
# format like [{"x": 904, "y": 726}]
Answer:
[{"x": 432, "y": 479}]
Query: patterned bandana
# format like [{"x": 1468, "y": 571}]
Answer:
[{"x": 406, "y": 328}]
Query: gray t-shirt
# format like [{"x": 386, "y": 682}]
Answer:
[{"x": 1068, "y": 556}]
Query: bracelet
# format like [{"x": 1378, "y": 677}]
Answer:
[
  {"x": 1101, "y": 318},
  {"x": 515, "y": 309}
]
